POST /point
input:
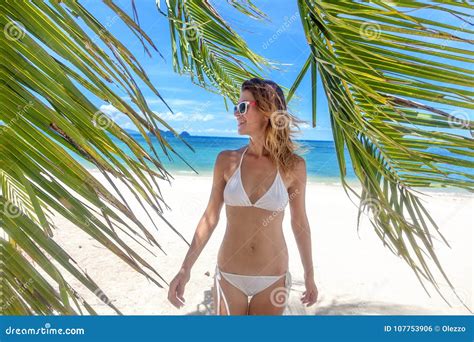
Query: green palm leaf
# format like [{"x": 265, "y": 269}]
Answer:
[
  {"x": 48, "y": 126},
  {"x": 209, "y": 50},
  {"x": 386, "y": 72}
]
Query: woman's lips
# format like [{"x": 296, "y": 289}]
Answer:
[{"x": 240, "y": 124}]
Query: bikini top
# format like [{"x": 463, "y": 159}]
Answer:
[{"x": 275, "y": 199}]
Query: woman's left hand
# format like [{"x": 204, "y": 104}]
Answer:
[{"x": 310, "y": 296}]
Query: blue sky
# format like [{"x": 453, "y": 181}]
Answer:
[
  {"x": 196, "y": 110},
  {"x": 203, "y": 113}
]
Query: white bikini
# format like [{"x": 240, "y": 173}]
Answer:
[{"x": 275, "y": 199}]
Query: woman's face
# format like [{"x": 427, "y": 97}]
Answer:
[{"x": 253, "y": 120}]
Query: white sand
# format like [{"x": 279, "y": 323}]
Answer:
[{"x": 354, "y": 276}]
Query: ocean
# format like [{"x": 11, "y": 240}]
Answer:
[{"x": 321, "y": 160}]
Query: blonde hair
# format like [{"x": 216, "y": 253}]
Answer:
[{"x": 278, "y": 139}]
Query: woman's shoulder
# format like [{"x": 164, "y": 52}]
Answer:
[
  {"x": 228, "y": 156},
  {"x": 295, "y": 168},
  {"x": 232, "y": 153},
  {"x": 298, "y": 161}
]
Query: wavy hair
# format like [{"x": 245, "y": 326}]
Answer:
[{"x": 279, "y": 134}]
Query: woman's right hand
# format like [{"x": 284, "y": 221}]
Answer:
[{"x": 176, "y": 289}]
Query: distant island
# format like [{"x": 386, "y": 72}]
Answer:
[{"x": 167, "y": 134}]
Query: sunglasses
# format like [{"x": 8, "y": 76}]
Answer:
[{"x": 243, "y": 106}]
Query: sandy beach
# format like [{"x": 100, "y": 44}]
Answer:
[{"x": 355, "y": 274}]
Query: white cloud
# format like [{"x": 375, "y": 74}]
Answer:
[
  {"x": 118, "y": 117},
  {"x": 305, "y": 126},
  {"x": 184, "y": 104},
  {"x": 108, "y": 109}
]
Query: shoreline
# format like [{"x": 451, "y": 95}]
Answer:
[{"x": 327, "y": 181}]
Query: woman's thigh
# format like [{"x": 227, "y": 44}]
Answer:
[
  {"x": 236, "y": 299},
  {"x": 271, "y": 301}
]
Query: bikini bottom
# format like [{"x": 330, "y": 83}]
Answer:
[{"x": 250, "y": 285}]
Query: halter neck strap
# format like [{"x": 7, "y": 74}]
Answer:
[{"x": 242, "y": 157}]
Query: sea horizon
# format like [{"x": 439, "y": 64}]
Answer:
[{"x": 321, "y": 160}]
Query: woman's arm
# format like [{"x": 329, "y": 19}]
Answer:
[
  {"x": 204, "y": 230},
  {"x": 210, "y": 218},
  {"x": 301, "y": 229}
]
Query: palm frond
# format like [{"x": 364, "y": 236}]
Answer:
[
  {"x": 209, "y": 50},
  {"x": 248, "y": 8},
  {"x": 386, "y": 73},
  {"x": 51, "y": 75}
]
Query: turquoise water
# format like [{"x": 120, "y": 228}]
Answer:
[{"x": 320, "y": 158}]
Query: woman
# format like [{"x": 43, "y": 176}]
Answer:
[{"x": 256, "y": 182}]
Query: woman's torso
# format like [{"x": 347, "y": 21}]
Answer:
[{"x": 253, "y": 243}]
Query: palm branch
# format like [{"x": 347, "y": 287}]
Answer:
[
  {"x": 388, "y": 74},
  {"x": 52, "y": 73},
  {"x": 205, "y": 47}
]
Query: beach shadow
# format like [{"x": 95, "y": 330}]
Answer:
[
  {"x": 206, "y": 307},
  {"x": 343, "y": 305},
  {"x": 355, "y": 307}
]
